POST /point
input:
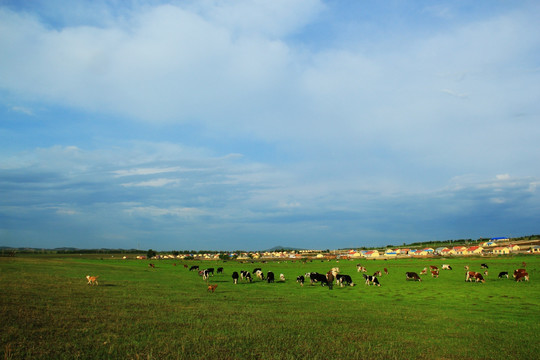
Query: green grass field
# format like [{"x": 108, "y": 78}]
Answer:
[{"x": 49, "y": 312}]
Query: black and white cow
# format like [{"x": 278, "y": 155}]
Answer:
[
  {"x": 270, "y": 277},
  {"x": 503, "y": 274},
  {"x": 446, "y": 267},
  {"x": 371, "y": 279},
  {"x": 316, "y": 277},
  {"x": 300, "y": 279},
  {"x": 484, "y": 266},
  {"x": 194, "y": 267},
  {"x": 220, "y": 270},
  {"x": 235, "y": 277},
  {"x": 344, "y": 279}
]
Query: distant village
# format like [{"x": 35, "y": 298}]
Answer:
[{"x": 493, "y": 247}]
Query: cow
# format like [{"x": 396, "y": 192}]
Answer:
[
  {"x": 371, "y": 279},
  {"x": 256, "y": 269},
  {"x": 524, "y": 264},
  {"x": 185, "y": 266},
  {"x": 503, "y": 274},
  {"x": 330, "y": 278},
  {"x": 243, "y": 274},
  {"x": 486, "y": 273},
  {"x": 446, "y": 267},
  {"x": 470, "y": 275},
  {"x": 341, "y": 279},
  {"x": 259, "y": 274},
  {"x": 152, "y": 266},
  {"x": 466, "y": 267},
  {"x": 377, "y": 273},
  {"x": 423, "y": 272},
  {"x": 433, "y": 268},
  {"x": 316, "y": 277},
  {"x": 385, "y": 271},
  {"x": 300, "y": 279},
  {"x": 235, "y": 277},
  {"x": 479, "y": 278},
  {"x": 194, "y": 267},
  {"x": 270, "y": 277},
  {"x": 522, "y": 276},
  {"x": 360, "y": 268},
  {"x": 519, "y": 271},
  {"x": 412, "y": 276},
  {"x": 281, "y": 277},
  {"x": 210, "y": 271},
  {"x": 435, "y": 273},
  {"x": 484, "y": 266},
  {"x": 220, "y": 270}
]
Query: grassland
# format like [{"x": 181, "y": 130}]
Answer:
[{"x": 49, "y": 312}]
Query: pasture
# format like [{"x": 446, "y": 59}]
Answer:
[{"x": 137, "y": 312}]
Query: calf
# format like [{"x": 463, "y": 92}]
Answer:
[
  {"x": 300, "y": 279},
  {"x": 341, "y": 279},
  {"x": 435, "y": 273},
  {"x": 194, "y": 267},
  {"x": 235, "y": 277},
  {"x": 503, "y": 274},
  {"x": 385, "y": 271},
  {"x": 446, "y": 267},
  {"x": 412, "y": 276},
  {"x": 270, "y": 277},
  {"x": 522, "y": 276},
  {"x": 220, "y": 270},
  {"x": 484, "y": 266},
  {"x": 423, "y": 272}
]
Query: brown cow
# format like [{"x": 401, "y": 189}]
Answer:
[
  {"x": 519, "y": 271},
  {"x": 479, "y": 278},
  {"x": 469, "y": 275},
  {"x": 386, "y": 271},
  {"x": 435, "y": 273},
  {"x": 423, "y": 272},
  {"x": 433, "y": 267},
  {"x": 522, "y": 276}
]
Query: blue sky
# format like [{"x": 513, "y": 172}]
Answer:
[{"x": 189, "y": 125}]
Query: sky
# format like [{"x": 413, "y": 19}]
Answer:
[{"x": 248, "y": 124}]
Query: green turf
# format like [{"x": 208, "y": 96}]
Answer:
[{"x": 48, "y": 311}]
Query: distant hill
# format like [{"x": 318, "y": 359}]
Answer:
[{"x": 286, "y": 248}]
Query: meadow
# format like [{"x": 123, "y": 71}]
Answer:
[{"x": 137, "y": 312}]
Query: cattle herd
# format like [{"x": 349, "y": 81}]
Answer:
[{"x": 334, "y": 277}]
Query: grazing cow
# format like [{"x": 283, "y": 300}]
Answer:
[
  {"x": 210, "y": 271},
  {"x": 360, "y": 268},
  {"x": 479, "y": 278},
  {"x": 247, "y": 276},
  {"x": 212, "y": 288},
  {"x": 281, "y": 277},
  {"x": 466, "y": 267},
  {"x": 220, "y": 270},
  {"x": 300, "y": 279},
  {"x": 385, "y": 271},
  {"x": 371, "y": 279},
  {"x": 341, "y": 279},
  {"x": 469, "y": 275},
  {"x": 243, "y": 274},
  {"x": 235, "y": 277},
  {"x": 260, "y": 275},
  {"x": 152, "y": 266},
  {"x": 316, "y": 277},
  {"x": 256, "y": 269},
  {"x": 486, "y": 273},
  {"x": 92, "y": 280},
  {"x": 433, "y": 267},
  {"x": 412, "y": 276},
  {"x": 270, "y": 277},
  {"x": 423, "y": 272},
  {"x": 377, "y": 273},
  {"x": 446, "y": 267},
  {"x": 435, "y": 273},
  {"x": 503, "y": 274},
  {"x": 522, "y": 276},
  {"x": 519, "y": 271},
  {"x": 484, "y": 266},
  {"x": 185, "y": 266},
  {"x": 330, "y": 278},
  {"x": 194, "y": 267}
]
